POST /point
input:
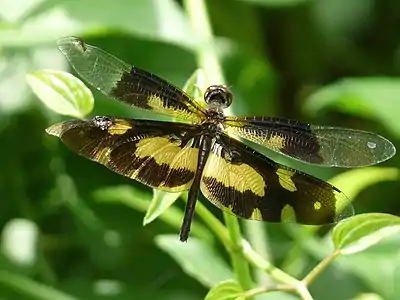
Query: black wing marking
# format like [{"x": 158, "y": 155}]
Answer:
[
  {"x": 136, "y": 87},
  {"x": 242, "y": 181},
  {"x": 327, "y": 146},
  {"x": 162, "y": 155}
]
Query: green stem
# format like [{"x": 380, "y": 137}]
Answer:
[
  {"x": 240, "y": 265},
  {"x": 256, "y": 260},
  {"x": 263, "y": 290},
  {"x": 288, "y": 282},
  {"x": 304, "y": 293},
  {"x": 207, "y": 60},
  {"x": 214, "y": 224},
  {"x": 319, "y": 268}
]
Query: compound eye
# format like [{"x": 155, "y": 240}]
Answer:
[{"x": 218, "y": 95}]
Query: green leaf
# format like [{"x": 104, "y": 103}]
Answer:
[
  {"x": 354, "y": 181},
  {"x": 227, "y": 290},
  {"x": 62, "y": 92},
  {"x": 30, "y": 288},
  {"x": 363, "y": 231},
  {"x": 367, "y": 97},
  {"x": 161, "y": 202},
  {"x": 381, "y": 261},
  {"x": 197, "y": 259}
]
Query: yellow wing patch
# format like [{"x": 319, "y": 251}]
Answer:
[
  {"x": 161, "y": 106},
  {"x": 256, "y": 214},
  {"x": 288, "y": 215},
  {"x": 286, "y": 179},
  {"x": 167, "y": 157},
  {"x": 241, "y": 177},
  {"x": 274, "y": 141},
  {"x": 120, "y": 126},
  {"x": 102, "y": 155},
  {"x": 164, "y": 151},
  {"x": 317, "y": 205}
]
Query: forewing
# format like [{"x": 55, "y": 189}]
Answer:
[
  {"x": 136, "y": 87},
  {"x": 242, "y": 181},
  {"x": 161, "y": 155},
  {"x": 327, "y": 146}
]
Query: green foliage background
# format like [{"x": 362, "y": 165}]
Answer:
[{"x": 72, "y": 225}]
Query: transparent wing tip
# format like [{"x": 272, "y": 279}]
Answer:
[
  {"x": 55, "y": 129},
  {"x": 384, "y": 149},
  {"x": 66, "y": 44},
  {"x": 344, "y": 208},
  {"x": 60, "y": 128},
  {"x": 344, "y": 213}
]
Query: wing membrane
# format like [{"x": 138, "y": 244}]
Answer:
[
  {"x": 154, "y": 153},
  {"x": 327, "y": 146},
  {"x": 242, "y": 181},
  {"x": 136, "y": 87}
]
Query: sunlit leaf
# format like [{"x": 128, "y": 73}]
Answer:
[
  {"x": 161, "y": 202},
  {"x": 227, "y": 290},
  {"x": 19, "y": 241},
  {"x": 362, "y": 231},
  {"x": 62, "y": 92},
  {"x": 197, "y": 259},
  {"x": 367, "y": 97}
]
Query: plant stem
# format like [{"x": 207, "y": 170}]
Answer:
[
  {"x": 207, "y": 60},
  {"x": 272, "y": 288},
  {"x": 256, "y": 260},
  {"x": 289, "y": 283},
  {"x": 214, "y": 224},
  {"x": 319, "y": 268},
  {"x": 240, "y": 249},
  {"x": 304, "y": 293},
  {"x": 240, "y": 265}
]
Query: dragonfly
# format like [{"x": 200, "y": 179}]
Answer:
[{"x": 202, "y": 149}]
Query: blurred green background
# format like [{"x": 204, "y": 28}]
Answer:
[{"x": 68, "y": 224}]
